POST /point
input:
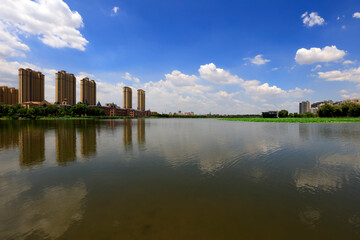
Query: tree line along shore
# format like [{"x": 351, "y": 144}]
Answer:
[
  {"x": 349, "y": 112},
  {"x": 18, "y": 111}
]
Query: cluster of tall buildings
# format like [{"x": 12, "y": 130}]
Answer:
[
  {"x": 31, "y": 91},
  {"x": 127, "y": 99}
]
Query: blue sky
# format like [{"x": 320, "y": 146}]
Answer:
[{"x": 201, "y": 56}]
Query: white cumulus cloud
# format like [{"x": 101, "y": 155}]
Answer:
[
  {"x": 217, "y": 75},
  {"x": 252, "y": 87},
  {"x": 52, "y": 21},
  {"x": 351, "y": 75},
  {"x": 312, "y": 19},
  {"x": 356, "y": 15},
  {"x": 314, "y": 55},
  {"x": 258, "y": 60},
  {"x": 177, "y": 78}
]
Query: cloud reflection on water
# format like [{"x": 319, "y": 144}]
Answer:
[{"x": 47, "y": 214}]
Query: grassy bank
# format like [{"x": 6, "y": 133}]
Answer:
[{"x": 296, "y": 120}]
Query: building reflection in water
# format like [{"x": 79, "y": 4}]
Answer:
[
  {"x": 141, "y": 132},
  {"x": 9, "y": 137},
  {"x": 127, "y": 134},
  {"x": 65, "y": 142},
  {"x": 88, "y": 139},
  {"x": 31, "y": 145}
]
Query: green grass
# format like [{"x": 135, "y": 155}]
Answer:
[{"x": 295, "y": 120}]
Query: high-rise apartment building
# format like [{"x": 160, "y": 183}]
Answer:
[
  {"x": 88, "y": 91},
  {"x": 8, "y": 96},
  {"x": 127, "y": 97},
  {"x": 304, "y": 107},
  {"x": 31, "y": 86},
  {"x": 141, "y": 100},
  {"x": 65, "y": 88}
]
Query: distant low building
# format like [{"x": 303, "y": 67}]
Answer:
[
  {"x": 112, "y": 111},
  {"x": 180, "y": 113},
  {"x": 270, "y": 114},
  {"x": 30, "y": 104},
  {"x": 113, "y": 105},
  {"x": 354, "y": 101},
  {"x": 189, "y": 113}
]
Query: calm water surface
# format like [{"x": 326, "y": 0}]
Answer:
[{"x": 178, "y": 179}]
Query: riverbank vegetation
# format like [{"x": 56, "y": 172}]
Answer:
[
  {"x": 327, "y": 113},
  {"x": 162, "y": 115},
  {"x": 351, "y": 110},
  {"x": 296, "y": 120},
  {"x": 52, "y": 111}
]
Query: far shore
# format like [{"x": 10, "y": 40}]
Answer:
[
  {"x": 72, "y": 118},
  {"x": 245, "y": 119},
  {"x": 296, "y": 120}
]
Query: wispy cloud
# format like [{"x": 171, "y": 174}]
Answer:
[
  {"x": 258, "y": 60},
  {"x": 114, "y": 11}
]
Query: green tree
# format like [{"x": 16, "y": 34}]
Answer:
[
  {"x": 22, "y": 111},
  {"x": 354, "y": 110},
  {"x": 11, "y": 112},
  {"x": 283, "y": 114},
  {"x": 64, "y": 111},
  {"x": 79, "y": 110},
  {"x": 4, "y": 109},
  {"x": 52, "y": 110},
  {"x": 326, "y": 110},
  {"x": 337, "y": 111},
  {"x": 345, "y": 109},
  {"x": 309, "y": 115},
  {"x": 31, "y": 111}
]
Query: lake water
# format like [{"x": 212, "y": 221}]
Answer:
[{"x": 178, "y": 179}]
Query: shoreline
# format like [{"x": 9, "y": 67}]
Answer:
[
  {"x": 295, "y": 120},
  {"x": 269, "y": 120}
]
